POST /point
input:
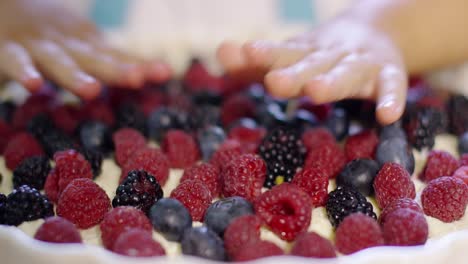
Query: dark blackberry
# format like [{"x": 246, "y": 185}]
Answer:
[
  {"x": 128, "y": 115},
  {"x": 7, "y": 109},
  {"x": 344, "y": 201},
  {"x": 203, "y": 116},
  {"x": 422, "y": 124},
  {"x": 139, "y": 189},
  {"x": 8, "y": 215},
  {"x": 94, "y": 158},
  {"x": 206, "y": 97},
  {"x": 32, "y": 171},
  {"x": 56, "y": 140},
  {"x": 463, "y": 144},
  {"x": 40, "y": 125},
  {"x": 457, "y": 108},
  {"x": 95, "y": 135},
  {"x": 283, "y": 152},
  {"x": 3, "y": 198}
]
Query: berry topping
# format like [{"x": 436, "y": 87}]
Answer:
[
  {"x": 422, "y": 124},
  {"x": 241, "y": 231},
  {"x": 395, "y": 150},
  {"x": 161, "y": 121},
  {"x": 405, "y": 227},
  {"x": 315, "y": 137},
  {"x": 170, "y": 218},
  {"x": 94, "y": 158},
  {"x": 51, "y": 186},
  {"x": 70, "y": 165},
  {"x": 195, "y": 196},
  {"x": 361, "y": 145},
  {"x": 20, "y": 147},
  {"x": 58, "y": 230},
  {"x": 313, "y": 245},
  {"x": 438, "y": 164},
  {"x": 137, "y": 242},
  {"x": 257, "y": 249},
  {"x": 148, "y": 159},
  {"x": 126, "y": 142},
  {"x": 236, "y": 107},
  {"x": 180, "y": 148},
  {"x": 457, "y": 107},
  {"x": 32, "y": 171},
  {"x": 463, "y": 143},
  {"x": 403, "y": 203},
  {"x": 203, "y": 242},
  {"x": 338, "y": 123},
  {"x": 329, "y": 156},
  {"x": 315, "y": 183},
  {"x": 128, "y": 115},
  {"x": 210, "y": 138},
  {"x": 95, "y": 135},
  {"x": 248, "y": 137},
  {"x": 462, "y": 174},
  {"x": 391, "y": 183},
  {"x": 206, "y": 173},
  {"x": 392, "y": 131},
  {"x": 359, "y": 174}
]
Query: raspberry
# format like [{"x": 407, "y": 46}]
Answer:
[
  {"x": 150, "y": 160},
  {"x": 223, "y": 156},
  {"x": 119, "y": 220},
  {"x": 361, "y": 145},
  {"x": 248, "y": 137},
  {"x": 315, "y": 183},
  {"x": 462, "y": 174},
  {"x": 236, "y": 107},
  {"x": 151, "y": 100},
  {"x": 6, "y": 133},
  {"x": 137, "y": 242},
  {"x": 439, "y": 163},
  {"x": 405, "y": 227},
  {"x": 180, "y": 148},
  {"x": 315, "y": 137},
  {"x": 70, "y": 165},
  {"x": 58, "y": 230},
  {"x": 32, "y": 171},
  {"x": 285, "y": 209},
  {"x": 230, "y": 144},
  {"x": 357, "y": 232},
  {"x": 445, "y": 198},
  {"x": 329, "y": 156},
  {"x": 464, "y": 160},
  {"x": 83, "y": 203},
  {"x": 391, "y": 183},
  {"x": 99, "y": 110},
  {"x": 257, "y": 249},
  {"x": 194, "y": 195},
  {"x": 34, "y": 105},
  {"x": 51, "y": 186},
  {"x": 206, "y": 173},
  {"x": 66, "y": 117},
  {"x": 313, "y": 245},
  {"x": 403, "y": 203},
  {"x": 20, "y": 147},
  {"x": 126, "y": 142},
  {"x": 244, "y": 177},
  {"x": 242, "y": 230}
]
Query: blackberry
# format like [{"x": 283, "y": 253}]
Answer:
[
  {"x": 457, "y": 108},
  {"x": 422, "y": 124},
  {"x": 344, "y": 201},
  {"x": 463, "y": 144},
  {"x": 8, "y": 215},
  {"x": 56, "y": 140},
  {"x": 40, "y": 125},
  {"x": 128, "y": 115},
  {"x": 203, "y": 116},
  {"x": 7, "y": 109},
  {"x": 139, "y": 189},
  {"x": 94, "y": 158},
  {"x": 95, "y": 135},
  {"x": 206, "y": 98},
  {"x": 32, "y": 171},
  {"x": 283, "y": 152}
]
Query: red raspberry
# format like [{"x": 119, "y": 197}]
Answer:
[
  {"x": 70, "y": 165},
  {"x": 315, "y": 183},
  {"x": 206, "y": 173},
  {"x": 230, "y": 144},
  {"x": 34, "y": 105},
  {"x": 391, "y": 183},
  {"x": 197, "y": 78},
  {"x": 313, "y": 245},
  {"x": 66, "y": 117},
  {"x": 329, "y": 156},
  {"x": 99, "y": 110},
  {"x": 462, "y": 174},
  {"x": 58, "y": 230},
  {"x": 83, "y": 203},
  {"x": 51, "y": 186},
  {"x": 126, "y": 142},
  {"x": 6, "y": 133},
  {"x": 464, "y": 160},
  {"x": 402, "y": 203},
  {"x": 286, "y": 209},
  {"x": 315, "y": 137},
  {"x": 194, "y": 195},
  {"x": 137, "y": 242},
  {"x": 236, "y": 107},
  {"x": 20, "y": 147},
  {"x": 150, "y": 100},
  {"x": 244, "y": 177},
  {"x": 180, "y": 148},
  {"x": 439, "y": 163},
  {"x": 361, "y": 145},
  {"x": 257, "y": 249},
  {"x": 150, "y": 160},
  {"x": 356, "y": 232},
  {"x": 119, "y": 220},
  {"x": 242, "y": 230},
  {"x": 405, "y": 227},
  {"x": 445, "y": 198},
  {"x": 249, "y": 138},
  {"x": 222, "y": 157}
]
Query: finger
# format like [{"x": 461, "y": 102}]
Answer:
[
  {"x": 289, "y": 81},
  {"x": 391, "y": 95},
  {"x": 157, "y": 71},
  {"x": 231, "y": 56},
  {"x": 61, "y": 68},
  {"x": 16, "y": 64}
]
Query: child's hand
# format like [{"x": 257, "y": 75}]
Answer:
[
  {"x": 342, "y": 59},
  {"x": 38, "y": 37}
]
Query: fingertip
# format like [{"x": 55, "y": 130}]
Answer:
[
  {"x": 231, "y": 56},
  {"x": 133, "y": 76},
  {"x": 32, "y": 83},
  {"x": 317, "y": 90},
  {"x": 89, "y": 89},
  {"x": 158, "y": 72},
  {"x": 389, "y": 110},
  {"x": 258, "y": 52},
  {"x": 280, "y": 84}
]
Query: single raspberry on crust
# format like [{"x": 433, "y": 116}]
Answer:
[
  {"x": 405, "y": 227},
  {"x": 180, "y": 148},
  {"x": 23, "y": 145},
  {"x": 361, "y": 145},
  {"x": 223, "y": 156},
  {"x": 126, "y": 142},
  {"x": 445, "y": 198},
  {"x": 51, "y": 186},
  {"x": 58, "y": 230},
  {"x": 119, "y": 220},
  {"x": 244, "y": 176},
  {"x": 315, "y": 137},
  {"x": 391, "y": 183},
  {"x": 329, "y": 156},
  {"x": 402, "y": 203},
  {"x": 286, "y": 209},
  {"x": 439, "y": 163},
  {"x": 243, "y": 230},
  {"x": 462, "y": 174},
  {"x": 70, "y": 165},
  {"x": 194, "y": 195},
  {"x": 249, "y": 138},
  {"x": 313, "y": 245},
  {"x": 236, "y": 107},
  {"x": 137, "y": 242},
  {"x": 257, "y": 249},
  {"x": 66, "y": 117},
  {"x": 83, "y": 203},
  {"x": 357, "y": 232},
  {"x": 315, "y": 183},
  {"x": 206, "y": 173},
  {"x": 150, "y": 160}
]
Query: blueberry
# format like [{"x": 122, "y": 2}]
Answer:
[
  {"x": 160, "y": 121},
  {"x": 209, "y": 139},
  {"x": 270, "y": 115},
  {"x": 170, "y": 218},
  {"x": 256, "y": 92},
  {"x": 220, "y": 214},
  {"x": 395, "y": 150},
  {"x": 244, "y": 122},
  {"x": 203, "y": 242},
  {"x": 304, "y": 120},
  {"x": 204, "y": 115},
  {"x": 359, "y": 174},
  {"x": 392, "y": 131},
  {"x": 338, "y": 123},
  {"x": 463, "y": 143},
  {"x": 7, "y": 109},
  {"x": 95, "y": 135}
]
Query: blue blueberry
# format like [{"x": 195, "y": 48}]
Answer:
[
  {"x": 338, "y": 123},
  {"x": 395, "y": 150},
  {"x": 96, "y": 136},
  {"x": 256, "y": 92},
  {"x": 203, "y": 242},
  {"x": 270, "y": 115},
  {"x": 359, "y": 174},
  {"x": 170, "y": 218},
  {"x": 463, "y": 143},
  {"x": 160, "y": 121},
  {"x": 392, "y": 131},
  {"x": 220, "y": 214},
  {"x": 304, "y": 120},
  {"x": 204, "y": 115},
  {"x": 209, "y": 139}
]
